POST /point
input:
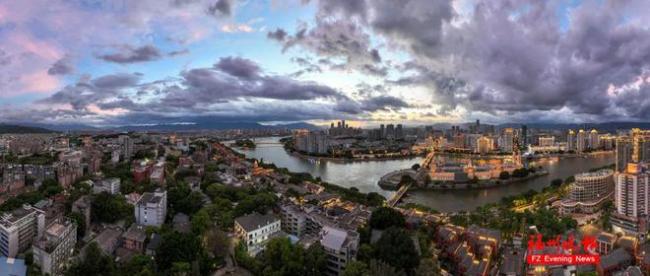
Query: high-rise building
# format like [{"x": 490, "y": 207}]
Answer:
[
  {"x": 589, "y": 192},
  {"x": 631, "y": 193},
  {"x": 623, "y": 153},
  {"x": 571, "y": 140},
  {"x": 19, "y": 228},
  {"x": 399, "y": 132},
  {"x": 524, "y": 136},
  {"x": 546, "y": 141},
  {"x": 151, "y": 209},
  {"x": 126, "y": 144},
  {"x": 390, "y": 131},
  {"x": 506, "y": 139},
  {"x": 484, "y": 145},
  {"x": 594, "y": 142},
  {"x": 382, "y": 130},
  {"x": 56, "y": 247},
  {"x": 581, "y": 141}
]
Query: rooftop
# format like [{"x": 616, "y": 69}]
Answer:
[
  {"x": 135, "y": 232},
  {"x": 255, "y": 221},
  {"x": 12, "y": 267}
]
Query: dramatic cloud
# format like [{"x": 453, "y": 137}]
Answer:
[
  {"x": 238, "y": 67},
  {"x": 128, "y": 54},
  {"x": 336, "y": 39},
  {"x": 221, "y": 7},
  {"x": 510, "y": 57},
  {"x": 62, "y": 66},
  {"x": 91, "y": 91}
]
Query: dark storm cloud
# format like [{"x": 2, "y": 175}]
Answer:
[
  {"x": 279, "y": 35},
  {"x": 383, "y": 103},
  {"x": 178, "y": 52},
  {"x": 221, "y": 7},
  {"x": 513, "y": 56},
  {"x": 336, "y": 39},
  {"x": 90, "y": 91},
  {"x": 129, "y": 54},
  {"x": 372, "y": 104},
  {"x": 62, "y": 66},
  {"x": 239, "y": 67}
]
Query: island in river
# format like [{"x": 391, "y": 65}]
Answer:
[{"x": 364, "y": 175}]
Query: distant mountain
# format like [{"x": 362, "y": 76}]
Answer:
[
  {"x": 211, "y": 125},
  {"x": 62, "y": 127},
  {"x": 19, "y": 129},
  {"x": 300, "y": 125}
]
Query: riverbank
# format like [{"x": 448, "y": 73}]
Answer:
[
  {"x": 346, "y": 159},
  {"x": 492, "y": 183}
]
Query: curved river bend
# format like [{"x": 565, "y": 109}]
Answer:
[{"x": 364, "y": 175}]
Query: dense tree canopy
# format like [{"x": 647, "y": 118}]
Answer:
[
  {"x": 385, "y": 217},
  {"x": 110, "y": 208},
  {"x": 396, "y": 248}
]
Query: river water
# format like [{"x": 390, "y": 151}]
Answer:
[{"x": 364, "y": 175}]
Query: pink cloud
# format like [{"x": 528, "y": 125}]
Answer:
[{"x": 40, "y": 82}]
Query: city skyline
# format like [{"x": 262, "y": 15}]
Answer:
[{"x": 108, "y": 63}]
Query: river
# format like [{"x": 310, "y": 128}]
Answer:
[{"x": 364, "y": 175}]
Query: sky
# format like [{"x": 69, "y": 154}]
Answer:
[{"x": 123, "y": 62}]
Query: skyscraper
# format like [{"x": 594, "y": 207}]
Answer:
[
  {"x": 390, "y": 131},
  {"x": 623, "y": 153},
  {"x": 594, "y": 142},
  {"x": 127, "y": 146},
  {"x": 631, "y": 191},
  {"x": 581, "y": 140},
  {"x": 524, "y": 136},
  {"x": 506, "y": 139},
  {"x": 571, "y": 140},
  {"x": 399, "y": 132}
]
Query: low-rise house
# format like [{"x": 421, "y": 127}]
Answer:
[
  {"x": 605, "y": 243},
  {"x": 134, "y": 238},
  {"x": 108, "y": 240},
  {"x": 181, "y": 223},
  {"x": 154, "y": 243},
  {"x": 109, "y": 185},
  {"x": 513, "y": 262},
  {"x": 616, "y": 260},
  {"x": 256, "y": 230}
]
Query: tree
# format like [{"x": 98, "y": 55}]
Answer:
[
  {"x": 380, "y": 268},
  {"x": 94, "y": 262},
  {"x": 217, "y": 243},
  {"x": 556, "y": 182},
  {"x": 385, "y": 217},
  {"x": 201, "y": 222},
  {"x": 396, "y": 248},
  {"x": 110, "y": 208},
  {"x": 138, "y": 265},
  {"x": 427, "y": 267},
  {"x": 177, "y": 247},
  {"x": 80, "y": 220},
  {"x": 504, "y": 175},
  {"x": 315, "y": 260},
  {"x": 356, "y": 268}
]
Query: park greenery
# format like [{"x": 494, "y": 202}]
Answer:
[{"x": 245, "y": 143}]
